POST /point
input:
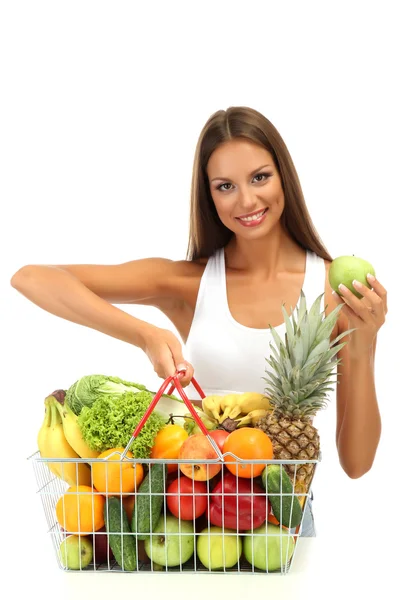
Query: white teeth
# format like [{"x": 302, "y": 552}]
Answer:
[{"x": 253, "y": 218}]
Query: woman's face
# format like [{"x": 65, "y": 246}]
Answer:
[{"x": 244, "y": 182}]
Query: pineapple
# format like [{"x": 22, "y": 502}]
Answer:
[{"x": 298, "y": 386}]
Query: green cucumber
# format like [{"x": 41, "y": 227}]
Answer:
[
  {"x": 149, "y": 502},
  {"x": 117, "y": 526},
  {"x": 283, "y": 507}
]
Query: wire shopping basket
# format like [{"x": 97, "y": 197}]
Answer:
[{"x": 186, "y": 514}]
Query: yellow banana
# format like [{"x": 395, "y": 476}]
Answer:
[
  {"x": 72, "y": 431},
  {"x": 56, "y": 446},
  {"x": 211, "y": 406},
  {"x": 250, "y": 401},
  {"x": 43, "y": 433},
  {"x": 230, "y": 407},
  {"x": 252, "y": 417}
]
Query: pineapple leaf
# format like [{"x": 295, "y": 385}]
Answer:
[
  {"x": 326, "y": 326},
  {"x": 289, "y": 327},
  {"x": 342, "y": 335},
  {"x": 302, "y": 307},
  {"x": 276, "y": 337},
  {"x": 321, "y": 348}
]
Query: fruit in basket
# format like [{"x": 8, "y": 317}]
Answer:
[
  {"x": 187, "y": 498},
  {"x": 286, "y": 509},
  {"x": 231, "y": 406},
  {"x": 218, "y": 548},
  {"x": 149, "y": 501},
  {"x": 115, "y": 477},
  {"x": 52, "y": 444},
  {"x": 247, "y": 443},
  {"x": 344, "y": 269},
  {"x": 122, "y": 541},
  {"x": 267, "y": 548},
  {"x": 301, "y": 368},
  {"x": 192, "y": 427},
  {"x": 102, "y": 552},
  {"x": 219, "y": 436},
  {"x": 172, "y": 542},
  {"x": 197, "y": 447},
  {"x": 167, "y": 444},
  {"x": 237, "y": 503},
  {"x": 80, "y": 510},
  {"x": 75, "y": 552},
  {"x": 72, "y": 431},
  {"x": 250, "y": 419}
]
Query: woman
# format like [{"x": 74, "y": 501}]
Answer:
[{"x": 252, "y": 246}]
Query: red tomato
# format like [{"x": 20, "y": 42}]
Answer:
[
  {"x": 187, "y": 498},
  {"x": 219, "y": 435}
]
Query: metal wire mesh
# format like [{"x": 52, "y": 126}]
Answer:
[{"x": 179, "y": 516}]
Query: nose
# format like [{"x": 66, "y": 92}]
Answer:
[{"x": 247, "y": 200}]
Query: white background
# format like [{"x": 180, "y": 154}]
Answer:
[{"x": 101, "y": 106}]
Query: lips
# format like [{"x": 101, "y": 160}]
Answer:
[{"x": 256, "y": 212}]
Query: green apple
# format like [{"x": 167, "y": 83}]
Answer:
[
  {"x": 218, "y": 548},
  {"x": 172, "y": 542},
  {"x": 344, "y": 269},
  {"x": 76, "y": 552},
  {"x": 267, "y": 548}
]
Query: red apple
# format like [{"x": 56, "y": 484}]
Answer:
[
  {"x": 219, "y": 436},
  {"x": 101, "y": 550}
]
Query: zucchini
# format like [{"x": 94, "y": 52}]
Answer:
[
  {"x": 121, "y": 540},
  {"x": 282, "y": 506},
  {"x": 149, "y": 502}
]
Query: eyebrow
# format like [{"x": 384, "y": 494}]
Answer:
[{"x": 252, "y": 173}]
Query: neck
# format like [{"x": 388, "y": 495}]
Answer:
[{"x": 266, "y": 256}]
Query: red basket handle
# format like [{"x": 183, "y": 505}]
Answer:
[{"x": 176, "y": 384}]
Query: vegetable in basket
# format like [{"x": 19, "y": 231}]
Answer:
[
  {"x": 111, "y": 420},
  {"x": 238, "y": 504},
  {"x": 90, "y": 388}
]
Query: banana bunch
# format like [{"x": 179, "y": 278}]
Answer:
[
  {"x": 60, "y": 437},
  {"x": 243, "y": 409}
]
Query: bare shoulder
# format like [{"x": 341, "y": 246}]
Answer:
[{"x": 152, "y": 281}]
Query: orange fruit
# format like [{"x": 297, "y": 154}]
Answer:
[
  {"x": 247, "y": 443},
  {"x": 80, "y": 510},
  {"x": 167, "y": 444},
  {"x": 113, "y": 477}
]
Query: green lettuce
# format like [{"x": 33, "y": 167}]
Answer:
[
  {"x": 90, "y": 388},
  {"x": 111, "y": 419}
]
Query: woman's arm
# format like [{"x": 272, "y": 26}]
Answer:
[{"x": 358, "y": 418}]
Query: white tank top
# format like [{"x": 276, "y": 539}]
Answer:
[{"x": 229, "y": 357}]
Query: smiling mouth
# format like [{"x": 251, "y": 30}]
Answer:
[{"x": 254, "y": 217}]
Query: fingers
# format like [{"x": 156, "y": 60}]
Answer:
[
  {"x": 378, "y": 289},
  {"x": 367, "y": 308},
  {"x": 180, "y": 364},
  {"x": 346, "y": 310}
]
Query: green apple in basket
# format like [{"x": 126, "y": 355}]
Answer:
[
  {"x": 76, "y": 552},
  {"x": 171, "y": 543},
  {"x": 268, "y": 548},
  {"x": 218, "y": 548}
]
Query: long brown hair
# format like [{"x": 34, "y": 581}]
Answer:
[{"x": 207, "y": 233}]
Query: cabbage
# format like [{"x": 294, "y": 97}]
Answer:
[
  {"x": 111, "y": 420},
  {"x": 89, "y": 388}
]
